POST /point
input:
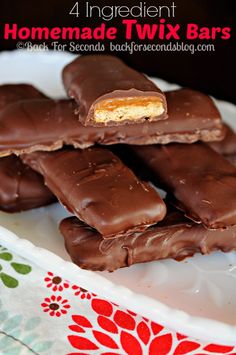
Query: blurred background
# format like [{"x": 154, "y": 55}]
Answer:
[{"x": 212, "y": 72}]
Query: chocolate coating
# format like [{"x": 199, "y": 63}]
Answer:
[
  {"x": 10, "y": 93},
  {"x": 203, "y": 182},
  {"x": 21, "y": 188},
  {"x": 175, "y": 237},
  {"x": 99, "y": 189},
  {"x": 34, "y": 125},
  {"x": 228, "y": 145},
  {"x": 92, "y": 79},
  {"x": 232, "y": 159}
]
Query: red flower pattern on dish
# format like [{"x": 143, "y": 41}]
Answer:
[
  {"x": 55, "y": 305},
  {"x": 119, "y": 332},
  {"x": 82, "y": 292},
  {"x": 123, "y": 332},
  {"x": 56, "y": 283}
]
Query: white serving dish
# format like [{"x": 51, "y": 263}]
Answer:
[{"x": 195, "y": 297}]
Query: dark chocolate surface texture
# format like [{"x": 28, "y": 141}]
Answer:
[
  {"x": 10, "y": 93},
  {"x": 99, "y": 189},
  {"x": 47, "y": 124},
  {"x": 175, "y": 237},
  {"x": 21, "y": 188},
  {"x": 108, "y": 92},
  {"x": 202, "y": 181}
]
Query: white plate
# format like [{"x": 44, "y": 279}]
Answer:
[{"x": 195, "y": 297}]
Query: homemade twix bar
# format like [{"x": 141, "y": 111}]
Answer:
[
  {"x": 21, "y": 188},
  {"x": 108, "y": 92},
  {"x": 98, "y": 188},
  {"x": 202, "y": 181},
  {"x": 33, "y": 125},
  {"x": 175, "y": 237}
]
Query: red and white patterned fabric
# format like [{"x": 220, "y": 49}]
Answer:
[{"x": 42, "y": 313}]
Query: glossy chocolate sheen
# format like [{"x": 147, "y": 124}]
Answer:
[
  {"x": 228, "y": 145},
  {"x": 175, "y": 237},
  {"x": 203, "y": 182},
  {"x": 99, "y": 189},
  {"x": 21, "y": 188},
  {"x": 34, "y": 125},
  {"x": 10, "y": 93},
  {"x": 93, "y": 78}
]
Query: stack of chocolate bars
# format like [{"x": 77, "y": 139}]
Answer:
[{"x": 97, "y": 153}]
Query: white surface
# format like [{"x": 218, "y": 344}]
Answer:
[{"x": 196, "y": 297}]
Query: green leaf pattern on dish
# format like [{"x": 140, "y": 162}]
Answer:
[{"x": 9, "y": 280}]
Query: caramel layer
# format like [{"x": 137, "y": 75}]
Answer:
[{"x": 128, "y": 108}]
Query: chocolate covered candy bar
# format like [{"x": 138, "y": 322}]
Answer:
[
  {"x": 108, "y": 92},
  {"x": 10, "y": 93},
  {"x": 99, "y": 189},
  {"x": 21, "y": 188},
  {"x": 227, "y": 146},
  {"x": 33, "y": 125},
  {"x": 203, "y": 182},
  {"x": 175, "y": 237}
]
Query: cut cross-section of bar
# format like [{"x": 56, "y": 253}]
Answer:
[
  {"x": 131, "y": 109},
  {"x": 33, "y": 125},
  {"x": 108, "y": 92}
]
